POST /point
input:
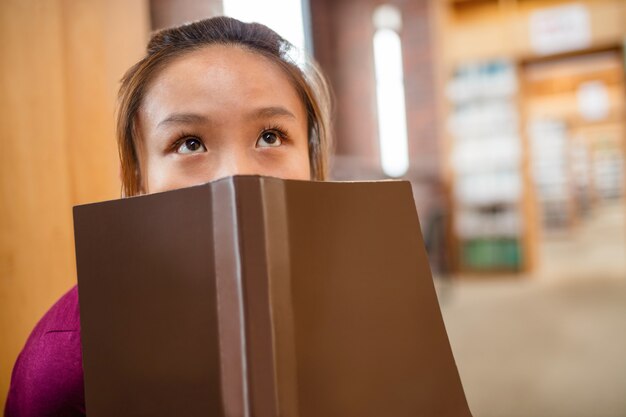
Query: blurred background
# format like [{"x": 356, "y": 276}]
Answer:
[{"x": 507, "y": 116}]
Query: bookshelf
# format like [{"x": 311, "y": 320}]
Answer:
[
  {"x": 521, "y": 158},
  {"x": 487, "y": 166}
]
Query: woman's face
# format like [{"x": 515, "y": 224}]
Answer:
[{"x": 221, "y": 111}]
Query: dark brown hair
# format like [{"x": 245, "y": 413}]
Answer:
[{"x": 168, "y": 44}]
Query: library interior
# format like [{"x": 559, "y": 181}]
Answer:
[{"x": 507, "y": 117}]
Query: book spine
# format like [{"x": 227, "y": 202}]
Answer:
[
  {"x": 230, "y": 300},
  {"x": 277, "y": 244},
  {"x": 255, "y": 314},
  {"x": 260, "y": 357}
]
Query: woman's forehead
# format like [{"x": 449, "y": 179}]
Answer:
[{"x": 220, "y": 79}]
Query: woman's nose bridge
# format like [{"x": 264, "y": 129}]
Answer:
[{"x": 235, "y": 161}]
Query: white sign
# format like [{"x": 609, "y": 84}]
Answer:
[{"x": 560, "y": 29}]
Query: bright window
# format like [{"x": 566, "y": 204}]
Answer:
[
  {"x": 283, "y": 16},
  {"x": 392, "y": 131}
]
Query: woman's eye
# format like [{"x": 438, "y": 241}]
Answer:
[
  {"x": 191, "y": 145},
  {"x": 269, "y": 139}
]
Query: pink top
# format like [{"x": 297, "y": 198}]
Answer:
[{"x": 47, "y": 378}]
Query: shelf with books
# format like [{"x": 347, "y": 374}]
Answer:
[
  {"x": 550, "y": 155},
  {"x": 488, "y": 172}
]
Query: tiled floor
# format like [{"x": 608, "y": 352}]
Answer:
[{"x": 550, "y": 345}]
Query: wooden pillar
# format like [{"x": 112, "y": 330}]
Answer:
[
  {"x": 62, "y": 61},
  {"x": 168, "y": 13}
]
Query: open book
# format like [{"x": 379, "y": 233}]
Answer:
[{"x": 256, "y": 296}]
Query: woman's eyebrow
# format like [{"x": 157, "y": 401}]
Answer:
[
  {"x": 183, "y": 118},
  {"x": 272, "y": 111},
  {"x": 196, "y": 118}
]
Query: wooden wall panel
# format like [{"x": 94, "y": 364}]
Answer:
[
  {"x": 95, "y": 62},
  {"x": 58, "y": 79},
  {"x": 35, "y": 216}
]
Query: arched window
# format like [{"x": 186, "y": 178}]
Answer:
[{"x": 392, "y": 131}]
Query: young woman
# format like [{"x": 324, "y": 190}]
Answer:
[{"x": 214, "y": 98}]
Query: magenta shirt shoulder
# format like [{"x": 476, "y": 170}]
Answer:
[{"x": 47, "y": 379}]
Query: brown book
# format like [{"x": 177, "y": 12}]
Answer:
[{"x": 261, "y": 297}]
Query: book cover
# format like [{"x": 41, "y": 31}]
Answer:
[{"x": 256, "y": 296}]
